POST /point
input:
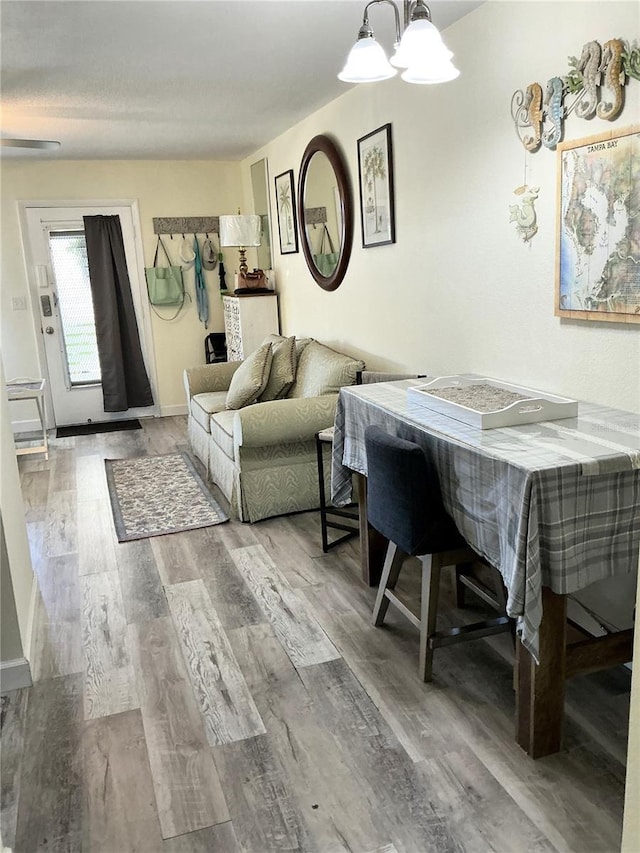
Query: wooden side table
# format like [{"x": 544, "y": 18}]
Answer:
[{"x": 30, "y": 389}]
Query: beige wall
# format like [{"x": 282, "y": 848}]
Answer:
[
  {"x": 17, "y": 573},
  {"x": 459, "y": 290},
  {"x": 162, "y": 188},
  {"x": 10, "y": 641}
]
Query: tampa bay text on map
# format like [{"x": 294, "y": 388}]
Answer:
[{"x": 599, "y": 227}]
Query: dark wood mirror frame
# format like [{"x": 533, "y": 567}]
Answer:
[{"x": 325, "y": 145}]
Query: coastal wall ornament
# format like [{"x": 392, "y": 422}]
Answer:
[
  {"x": 593, "y": 85},
  {"x": 524, "y": 214},
  {"x": 597, "y": 258}
]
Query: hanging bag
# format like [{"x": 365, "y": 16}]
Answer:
[
  {"x": 326, "y": 261},
  {"x": 164, "y": 284}
]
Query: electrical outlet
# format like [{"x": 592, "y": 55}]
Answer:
[{"x": 19, "y": 303}]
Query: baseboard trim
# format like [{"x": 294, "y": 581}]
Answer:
[
  {"x": 170, "y": 411},
  {"x": 15, "y": 674},
  {"x": 28, "y": 641}
]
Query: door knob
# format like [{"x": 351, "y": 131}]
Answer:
[{"x": 49, "y": 330}]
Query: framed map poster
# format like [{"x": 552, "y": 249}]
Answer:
[{"x": 598, "y": 231}]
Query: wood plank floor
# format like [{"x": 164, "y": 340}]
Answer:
[{"x": 223, "y": 690}]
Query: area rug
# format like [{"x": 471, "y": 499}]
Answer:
[
  {"x": 92, "y": 429},
  {"x": 154, "y": 495}
]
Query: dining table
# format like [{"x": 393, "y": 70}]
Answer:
[{"x": 553, "y": 505}]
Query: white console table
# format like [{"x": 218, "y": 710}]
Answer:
[{"x": 30, "y": 389}]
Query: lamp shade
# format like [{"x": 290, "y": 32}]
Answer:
[
  {"x": 419, "y": 40},
  {"x": 366, "y": 63},
  {"x": 240, "y": 230}
]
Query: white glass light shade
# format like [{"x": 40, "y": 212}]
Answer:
[
  {"x": 420, "y": 39},
  {"x": 366, "y": 63},
  {"x": 240, "y": 230},
  {"x": 431, "y": 72}
]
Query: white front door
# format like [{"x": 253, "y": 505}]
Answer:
[{"x": 64, "y": 309}]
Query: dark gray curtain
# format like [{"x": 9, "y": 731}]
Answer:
[{"x": 125, "y": 384}]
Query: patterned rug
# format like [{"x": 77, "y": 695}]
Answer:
[{"x": 154, "y": 495}]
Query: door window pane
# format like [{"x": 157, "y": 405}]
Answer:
[{"x": 75, "y": 306}]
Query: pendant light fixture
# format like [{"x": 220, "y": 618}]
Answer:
[{"x": 420, "y": 50}]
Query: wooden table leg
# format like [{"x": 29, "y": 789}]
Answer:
[
  {"x": 540, "y": 691},
  {"x": 373, "y": 546}
]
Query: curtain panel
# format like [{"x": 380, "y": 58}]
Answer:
[{"x": 125, "y": 383}]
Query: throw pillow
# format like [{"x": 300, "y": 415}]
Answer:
[
  {"x": 250, "y": 379},
  {"x": 301, "y": 345},
  {"x": 283, "y": 369},
  {"x": 322, "y": 370}
]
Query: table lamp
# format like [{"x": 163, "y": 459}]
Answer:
[{"x": 241, "y": 231}]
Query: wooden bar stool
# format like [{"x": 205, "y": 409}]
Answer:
[
  {"x": 404, "y": 504},
  {"x": 344, "y": 518},
  {"x": 333, "y": 517}
]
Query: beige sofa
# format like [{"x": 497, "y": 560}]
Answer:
[{"x": 262, "y": 456}]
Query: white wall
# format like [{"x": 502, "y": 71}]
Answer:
[
  {"x": 460, "y": 291},
  {"x": 163, "y": 188}
]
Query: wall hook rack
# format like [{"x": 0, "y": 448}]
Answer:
[{"x": 186, "y": 224}]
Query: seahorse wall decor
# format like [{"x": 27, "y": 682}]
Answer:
[
  {"x": 524, "y": 214},
  {"x": 589, "y": 66},
  {"x": 593, "y": 85},
  {"x": 554, "y": 112},
  {"x": 614, "y": 79},
  {"x": 534, "y": 116}
]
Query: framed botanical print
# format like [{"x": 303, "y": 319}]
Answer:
[
  {"x": 286, "y": 204},
  {"x": 597, "y": 259},
  {"x": 375, "y": 177}
]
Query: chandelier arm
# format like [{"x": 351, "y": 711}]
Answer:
[{"x": 365, "y": 20}]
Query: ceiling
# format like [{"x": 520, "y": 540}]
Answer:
[{"x": 175, "y": 79}]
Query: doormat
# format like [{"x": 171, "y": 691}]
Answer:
[
  {"x": 92, "y": 429},
  {"x": 155, "y": 495}
]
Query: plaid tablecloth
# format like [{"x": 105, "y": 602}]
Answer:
[{"x": 550, "y": 504}]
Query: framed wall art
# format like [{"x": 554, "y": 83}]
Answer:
[
  {"x": 375, "y": 177},
  {"x": 597, "y": 257},
  {"x": 286, "y": 204}
]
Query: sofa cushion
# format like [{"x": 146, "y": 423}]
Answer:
[
  {"x": 250, "y": 379},
  {"x": 222, "y": 430},
  {"x": 202, "y": 406},
  {"x": 283, "y": 368},
  {"x": 301, "y": 345},
  {"x": 322, "y": 370}
]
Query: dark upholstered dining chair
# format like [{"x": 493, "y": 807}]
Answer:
[{"x": 405, "y": 505}]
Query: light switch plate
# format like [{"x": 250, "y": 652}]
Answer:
[{"x": 19, "y": 303}]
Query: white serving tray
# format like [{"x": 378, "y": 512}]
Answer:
[{"x": 538, "y": 406}]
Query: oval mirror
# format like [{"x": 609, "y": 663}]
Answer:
[{"x": 325, "y": 212}]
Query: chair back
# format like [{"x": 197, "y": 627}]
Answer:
[
  {"x": 215, "y": 347},
  {"x": 404, "y": 502}
]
